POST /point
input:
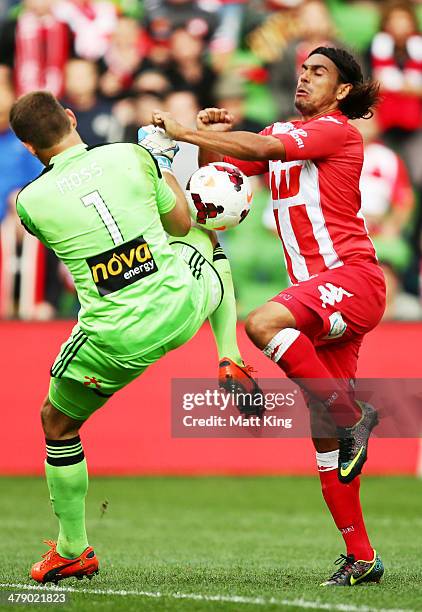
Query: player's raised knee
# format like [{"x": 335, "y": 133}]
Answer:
[
  {"x": 264, "y": 322},
  {"x": 256, "y": 326},
  {"x": 56, "y": 424}
]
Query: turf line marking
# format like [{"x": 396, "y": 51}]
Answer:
[{"x": 240, "y": 599}]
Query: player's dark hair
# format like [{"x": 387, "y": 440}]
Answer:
[
  {"x": 39, "y": 119},
  {"x": 364, "y": 95}
]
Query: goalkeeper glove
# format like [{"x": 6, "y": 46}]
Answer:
[{"x": 161, "y": 147}]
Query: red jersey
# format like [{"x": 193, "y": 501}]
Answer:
[{"x": 315, "y": 193}]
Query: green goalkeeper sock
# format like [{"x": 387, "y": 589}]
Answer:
[
  {"x": 67, "y": 479},
  {"x": 223, "y": 320}
]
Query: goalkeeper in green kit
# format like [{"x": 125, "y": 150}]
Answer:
[{"x": 105, "y": 212}]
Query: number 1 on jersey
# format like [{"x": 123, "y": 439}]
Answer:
[{"x": 94, "y": 199}]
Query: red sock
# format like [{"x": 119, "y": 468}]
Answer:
[
  {"x": 296, "y": 355},
  {"x": 344, "y": 504}
]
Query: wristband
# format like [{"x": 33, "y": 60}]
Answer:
[{"x": 164, "y": 163}]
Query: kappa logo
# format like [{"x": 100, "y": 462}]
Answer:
[
  {"x": 121, "y": 266},
  {"x": 331, "y": 295}
]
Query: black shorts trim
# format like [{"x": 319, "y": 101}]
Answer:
[
  {"x": 69, "y": 353},
  {"x": 70, "y": 343}
]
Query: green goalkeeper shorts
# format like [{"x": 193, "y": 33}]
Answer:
[{"x": 84, "y": 376}]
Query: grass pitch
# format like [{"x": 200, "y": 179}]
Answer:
[{"x": 229, "y": 544}]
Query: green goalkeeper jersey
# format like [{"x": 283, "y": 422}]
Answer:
[{"x": 99, "y": 210}]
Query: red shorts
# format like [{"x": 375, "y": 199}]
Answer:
[{"x": 335, "y": 309}]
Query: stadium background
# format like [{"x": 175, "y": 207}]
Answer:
[{"x": 112, "y": 63}]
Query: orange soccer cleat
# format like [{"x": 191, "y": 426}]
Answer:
[
  {"x": 237, "y": 379},
  {"x": 53, "y": 567}
]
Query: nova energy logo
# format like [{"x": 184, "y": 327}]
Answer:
[{"x": 122, "y": 266}]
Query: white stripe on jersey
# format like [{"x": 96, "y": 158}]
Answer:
[
  {"x": 309, "y": 187},
  {"x": 299, "y": 267},
  {"x": 308, "y": 196}
]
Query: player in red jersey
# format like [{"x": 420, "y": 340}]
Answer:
[{"x": 313, "y": 330}]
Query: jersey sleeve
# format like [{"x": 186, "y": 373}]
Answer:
[
  {"x": 28, "y": 223},
  {"x": 251, "y": 168},
  {"x": 166, "y": 198},
  {"x": 318, "y": 139}
]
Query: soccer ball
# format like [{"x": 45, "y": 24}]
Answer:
[{"x": 219, "y": 196}]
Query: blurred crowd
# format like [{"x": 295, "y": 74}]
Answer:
[{"x": 113, "y": 61}]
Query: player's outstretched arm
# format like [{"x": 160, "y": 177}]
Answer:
[{"x": 242, "y": 145}]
